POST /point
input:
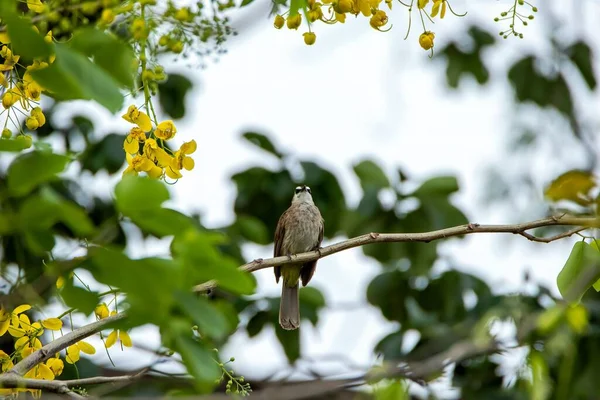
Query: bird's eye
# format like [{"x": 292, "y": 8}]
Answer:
[
  {"x": 308, "y": 189},
  {"x": 298, "y": 190}
]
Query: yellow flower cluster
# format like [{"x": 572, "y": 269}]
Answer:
[
  {"x": 334, "y": 11},
  {"x": 23, "y": 91},
  {"x": 27, "y": 336},
  {"x": 149, "y": 154},
  {"x": 102, "y": 312}
]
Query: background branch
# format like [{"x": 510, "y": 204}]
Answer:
[{"x": 581, "y": 223}]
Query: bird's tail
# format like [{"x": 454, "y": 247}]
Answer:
[{"x": 289, "y": 309}]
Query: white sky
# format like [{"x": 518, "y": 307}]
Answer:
[{"x": 359, "y": 93}]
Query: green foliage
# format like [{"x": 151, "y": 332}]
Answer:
[
  {"x": 262, "y": 142},
  {"x": 73, "y": 76},
  {"x": 172, "y": 94},
  {"x": 580, "y": 272},
  {"x": 24, "y": 39},
  {"x": 31, "y": 169}
]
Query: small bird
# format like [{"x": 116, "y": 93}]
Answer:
[{"x": 300, "y": 229}]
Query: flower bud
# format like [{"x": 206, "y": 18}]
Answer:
[
  {"x": 279, "y": 21},
  {"x": 426, "y": 40},
  {"x": 294, "y": 22},
  {"x": 309, "y": 38}
]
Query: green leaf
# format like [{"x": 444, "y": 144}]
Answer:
[
  {"x": 171, "y": 95},
  {"x": 290, "y": 341},
  {"x": 396, "y": 390},
  {"x": 73, "y": 76},
  {"x": 14, "y": 145},
  {"x": 198, "y": 359},
  {"x": 39, "y": 242},
  {"x": 573, "y": 185},
  {"x": 253, "y": 229},
  {"x": 596, "y": 246},
  {"x": 161, "y": 221},
  {"x": 109, "y": 53},
  {"x": 246, "y": 2},
  {"x": 371, "y": 175},
  {"x": 136, "y": 193},
  {"x": 25, "y": 41},
  {"x": 263, "y": 142},
  {"x": 296, "y": 6},
  {"x": 257, "y": 323},
  {"x": 84, "y": 300},
  {"x": 32, "y": 169},
  {"x": 437, "y": 186},
  {"x": 311, "y": 301},
  {"x": 106, "y": 154},
  {"x": 581, "y": 55},
  {"x": 210, "y": 320},
  {"x": 579, "y": 273}
]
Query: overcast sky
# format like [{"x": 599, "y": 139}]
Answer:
[{"x": 359, "y": 93}]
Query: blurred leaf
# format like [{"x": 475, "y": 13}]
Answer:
[
  {"x": 161, "y": 221},
  {"x": 262, "y": 142},
  {"x": 73, "y": 76},
  {"x": 311, "y": 301},
  {"x": 461, "y": 62},
  {"x": 395, "y": 390},
  {"x": 199, "y": 251},
  {"x": 136, "y": 193},
  {"x": 109, "y": 53},
  {"x": 246, "y": 2},
  {"x": 257, "y": 323},
  {"x": 572, "y": 185},
  {"x": 530, "y": 85},
  {"x": 106, "y": 154},
  {"x": 579, "y": 273},
  {"x": 198, "y": 359},
  {"x": 210, "y": 321},
  {"x": 387, "y": 291},
  {"x": 290, "y": 340},
  {"x": 39, "y": 242},
  {"x": 296, "y": 6},
  {"x": 581, "y": 55},
  {"x": 253, "y": 229},
  {"x": 25, "y": 41},
  {"x": 31, "y": 169},
  {"x": 437, "y": 186},
  {"x": 14, "y": 145},
  {"x": 84, "y": 300},
  {"x": 391, "y": 346},
  {"x": 370, "y": 174},
  {"x": 171, "y": 95}
]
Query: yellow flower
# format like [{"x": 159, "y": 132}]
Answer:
[
  {"x": 9, "y": 59},
  {"x": 60, "y": 282},
  {"x": 54, "y": 324},
  {"x": 309, "y": 38},
  {"x": 294, "y": 22},
  {"x": 156, "y": 154},
  {"x": 101, "y": 311},
  {"x": 56, "y": 365},
  {"x": 340, "y": 17},
  {"x": 48, "y": 38},
  {"x": 315, "y": 12},
  {"x": 132, "y": 141},
  {"x": 4, "y": 320},
  {"x": 5, "y": 362},
  {"x": 183, "y": 14},
  {"x": 123, "y": 338},
  {"x": 73, "y": 351},
  {"x": 139, "y": 163},
  {"x": 426, "y": 40},
  {"x": 279, "y": 21},
  {"x": 138, "y": 29},
  {"x": 4, "y": 38},
  {"x": 343, "y": 6},
  {"x": 436, "y": 8},
  {"x": 181, "y": 160},
  {"x": 11, "y": 97},
  {"x": 32, "y": 123},
  {"x": 378, "y": 19},
  {"x": 138, "y": 117},
  {"x": 32, "y": 89},
  {"x": 38, "y": 114},
  {"x": 165, "y": 130},
  {"x": 26, "y": 332},
  {"x": 108, "y": 16},
  {"x": 422, "y": 3},
  {"x": 35, "y": 6}
]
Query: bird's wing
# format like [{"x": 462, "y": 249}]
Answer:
[
  {"x": 308, "y": 269},
  {"x": 279, "y": 235}
]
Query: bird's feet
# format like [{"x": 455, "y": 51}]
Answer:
[{"x": 319, "y": 251}]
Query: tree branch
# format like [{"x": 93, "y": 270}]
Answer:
[
  {"x": 581, "y": 223},
  {"x": 59, "y": 344}
]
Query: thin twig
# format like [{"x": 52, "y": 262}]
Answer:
[{"x": 581, "y": 223}]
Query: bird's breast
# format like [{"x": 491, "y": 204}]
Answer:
[{"x": 302, "y": 229}]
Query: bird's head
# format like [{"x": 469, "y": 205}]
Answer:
[{"x": 302, "y": 194}]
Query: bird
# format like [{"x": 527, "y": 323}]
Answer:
[{"x": 299, "y": 229}]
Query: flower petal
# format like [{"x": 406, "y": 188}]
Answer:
[
  {"x": 131, "y": 145},
  {"x": 54, "y": 324},
  {"x": 111, "y": 339},
  {"x": 188, "y": 147},
  {"x": 21, "y": 308},
  {"x": 143, "y": 121},
  {"x": 45, "y": 372},
  {"x": 125, "y": 339},
  {"x": 86, "y": 347}
]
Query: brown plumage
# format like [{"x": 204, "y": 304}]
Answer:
[{"x": 300, "y": 229}]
